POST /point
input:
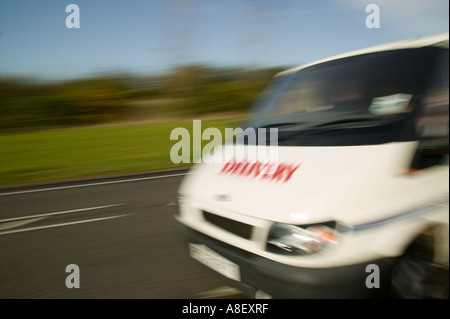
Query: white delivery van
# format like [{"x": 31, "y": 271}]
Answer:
[{"x": 357, "y": 205}]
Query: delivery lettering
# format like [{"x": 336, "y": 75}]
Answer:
[{"x": 265, "y": 171}]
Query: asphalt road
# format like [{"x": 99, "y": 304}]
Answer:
[{"x": 120, "y": 233}]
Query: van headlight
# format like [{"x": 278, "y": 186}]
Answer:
[{"x": 300, "y": 240}]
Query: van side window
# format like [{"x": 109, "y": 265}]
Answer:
[{"x": 432, "y": 123}]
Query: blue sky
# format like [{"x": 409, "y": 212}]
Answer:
[{"x": 149, "y": 37}]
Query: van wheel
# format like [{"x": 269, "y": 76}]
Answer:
[{"x": 416, "y": 276}]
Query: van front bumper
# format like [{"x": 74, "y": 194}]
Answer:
[{"x": 260, "y": 276}]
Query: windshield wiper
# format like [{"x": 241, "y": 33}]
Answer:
[
  {"x": 346, "y": 121},
  {"x": 328, "y": 127},
  {"x": 281, "y": 124}
]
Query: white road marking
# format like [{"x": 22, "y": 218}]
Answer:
[
  {"x": 59, "y": 225},
  {"x": 172, "y": 203},
  {"x": 220, "y": 292},
  {"x": 15, "y": 224},
  {"x": 59, "y": 213},
  {"x": 92, "y": 184}
]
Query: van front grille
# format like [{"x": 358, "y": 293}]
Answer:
[{"x": 235, "y": 227}]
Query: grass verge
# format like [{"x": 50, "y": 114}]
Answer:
[{"x": 75, "y": 153}]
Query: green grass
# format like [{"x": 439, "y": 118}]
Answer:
[{"x": 74, "y": 153}]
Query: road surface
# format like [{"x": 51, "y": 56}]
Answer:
[{"x": 121, "y": 234}]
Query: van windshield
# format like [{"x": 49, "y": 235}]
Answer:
[{"x": 370, "y": 95}]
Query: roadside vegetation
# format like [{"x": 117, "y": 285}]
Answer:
[
  {"x": 79, "y": 153},
  {"x": 114, "y": 124},
  {"x": 30, "y": 105}
]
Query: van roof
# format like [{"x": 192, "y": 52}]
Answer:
[{"x": 440, "y": 40}]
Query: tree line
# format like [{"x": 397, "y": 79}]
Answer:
[{"x": 193, "y": 89}]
